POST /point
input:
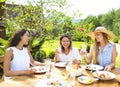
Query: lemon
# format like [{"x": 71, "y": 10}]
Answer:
[{"x": 89, "y": 79}]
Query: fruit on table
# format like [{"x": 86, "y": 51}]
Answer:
[{"x": 88, "y": 80}]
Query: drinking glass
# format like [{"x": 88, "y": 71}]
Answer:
[
  {"x": 48, "y": 67},
  {"x": 67, "y": 71},
  {"x": 72, "y": 76},
  {"x": 84, "y": 47}
]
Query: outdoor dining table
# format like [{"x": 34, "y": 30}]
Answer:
[{"x": 31, "y": 81}]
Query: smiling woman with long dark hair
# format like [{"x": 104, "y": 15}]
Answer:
[
  {"x": 67, "y": 52},
  {"x": 17, "y": 57}
]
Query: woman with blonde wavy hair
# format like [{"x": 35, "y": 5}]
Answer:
[{"x": 102, "y": 52}]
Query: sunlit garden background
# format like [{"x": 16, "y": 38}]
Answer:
[{"x": 47, "y": 21}]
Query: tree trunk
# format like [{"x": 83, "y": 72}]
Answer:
[{"x": 1, "y": 9}]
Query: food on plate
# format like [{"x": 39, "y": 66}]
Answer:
[
  {"x": 79, "y": 69},
  {"x": 78, "y": 66},
  {"x": 89, "y": 80},
  {"x": 94, "y": 67},
  {"x": 85, "y": 79},
  {"x": 51, "y": 83},
  {"x": 54, "y": 83},
  {"x": 90, "y": 67},
  {"x": 41, "y": 68},
  {"x": 103, "y": 75}
]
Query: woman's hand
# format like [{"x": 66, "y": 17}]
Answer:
[
  {"x": 56, "y": 58},
  {"x": 107, "y": 68},
  {"x": 75, "y": 61},
  {"x": 42, "y": 64},
  {"x": 30, "y": 71},
  {"x": 57, "y": 51},
  {"x": 83, "y": 52}
]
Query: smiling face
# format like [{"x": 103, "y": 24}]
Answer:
[
  {"x": 65, "y": 42},
  {"x": 25, "y": 38},
  {"x": 99, "y": 36}
]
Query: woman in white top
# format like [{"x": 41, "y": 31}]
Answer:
[
  {"x": 67, "y": 52},
  {"x": 18, "y": 58}
]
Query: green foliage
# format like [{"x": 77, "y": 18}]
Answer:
[
  {"x": 2, "y": 0},
  {"x": 118, "y": 61},
  {"x": 3, "y": 45},
  {"x": 43, "y": 22},
  {"x": 36, "y": 44},
  {"x": 51, "y": 45},
  {"x": 117, "y": 39},
  {"x": 52, "y": 54},
  {"x": 110, "y": 20},
  {"x": 80, "y": 34},
  {"x": 43, "y": 55}
]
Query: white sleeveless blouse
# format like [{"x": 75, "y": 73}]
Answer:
[{"x": 20, "y": 61}]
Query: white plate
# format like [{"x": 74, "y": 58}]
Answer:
[
  {"x": 94, "y": 67},
  {"x": 104, "y": 75},
  {"x": 79, "y": 72},
  {"x": 39, "y": 69},
  {"x": 60, "y": 64},
  {"x": 85, "y": 80},
  {"x": 51, "y": 83}
]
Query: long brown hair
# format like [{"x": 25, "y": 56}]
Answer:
[
  {"x": 17, "y": 37},
  {"x": 70, "y": 46},
  {"x": 96, "y": 48}
]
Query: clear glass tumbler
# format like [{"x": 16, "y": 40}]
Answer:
[{"x": 72, "y": 79}]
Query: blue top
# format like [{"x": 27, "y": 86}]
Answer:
[{"x": 105, "y": 56}]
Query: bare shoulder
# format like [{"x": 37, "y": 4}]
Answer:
[
  {"x": 114, "y": 48},
  {"x": 9, "y": 50}
]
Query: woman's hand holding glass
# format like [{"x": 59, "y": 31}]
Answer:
[
  {"x": 83, "y": 51},
  {"x": 75, "y": 61},
  {"x": 57, "y": 50}
]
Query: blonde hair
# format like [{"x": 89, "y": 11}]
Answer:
[{"x": 96, "y": 48}]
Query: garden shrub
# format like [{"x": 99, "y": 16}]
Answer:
[
  {"x": 40, "y": 57},
  {"x": 43, "y": 54},
  {"x": 52, "y": 54},
  {"x": 117, "y": 39}
]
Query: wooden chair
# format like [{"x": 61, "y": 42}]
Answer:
[{"x": 1, "y": 67}]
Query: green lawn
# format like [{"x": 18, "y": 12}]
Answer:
[{"x": 51, "y": 45}]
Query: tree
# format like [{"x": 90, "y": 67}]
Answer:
[{"x": 44, "y": 19}]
